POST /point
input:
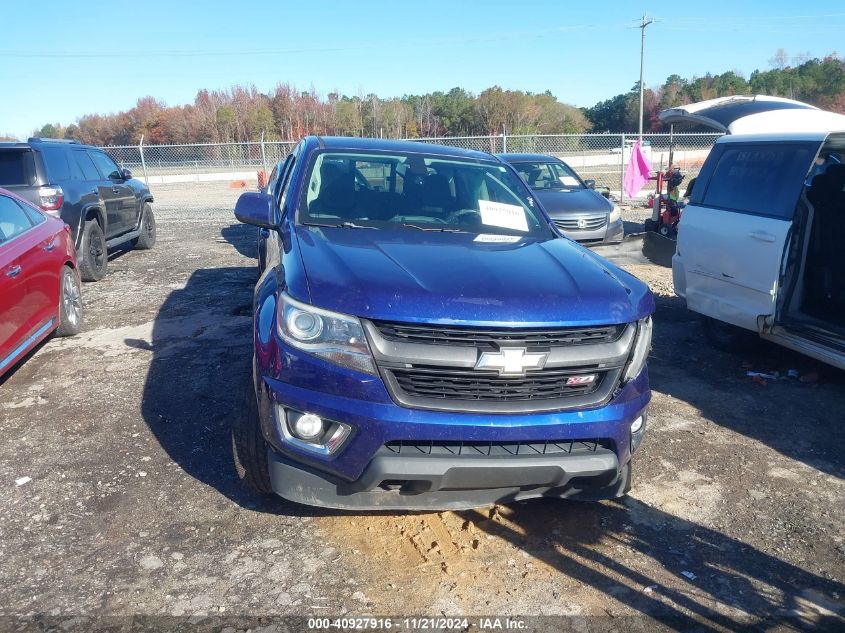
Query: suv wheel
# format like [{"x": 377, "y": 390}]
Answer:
[
  {"x": 147, "y": 239},
  {"x": 727, "y": 337},
  {"x": 93, "y": 254},
  {"x": 70, "y": 304},
  {"x": 249, "y": 447}
]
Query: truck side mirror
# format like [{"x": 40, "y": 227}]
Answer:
[{"x": 256, "y": 208}]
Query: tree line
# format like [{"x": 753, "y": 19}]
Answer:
[
  {"x": 242, "y": 113},
  {"x": 819, "y": 82}
]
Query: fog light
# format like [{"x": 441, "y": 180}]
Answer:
[
  {"x": 310, "y": 432},
  {"x": 637, "y": 424},
  {"x": 307, "y": 426}
]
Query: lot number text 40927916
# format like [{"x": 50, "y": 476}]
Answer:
[{"x": 416, "y": 624}]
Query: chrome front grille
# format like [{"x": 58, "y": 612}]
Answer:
[
  {"x": 428, "y": 366},
  {"x": 592, "y": 223}
]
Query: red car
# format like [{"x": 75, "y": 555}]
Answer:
[{"x": 39, "y": 282}]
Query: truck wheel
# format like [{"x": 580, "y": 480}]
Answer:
[
  {"x": 70, "y": 304},
  {"x": 147, "y": 239},
  {"x": 249, "y": 447},
  {"x": 727, "y": 337},
  {"x": 93, "y": 254}
]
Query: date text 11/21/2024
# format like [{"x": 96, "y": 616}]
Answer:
[{"x": 417, "y": 624}]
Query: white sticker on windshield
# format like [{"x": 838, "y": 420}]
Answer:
[
  {"x": 507, "y": 216},
  {"x": 569, "y": 181},
  {"x": 497, "y": 239}
]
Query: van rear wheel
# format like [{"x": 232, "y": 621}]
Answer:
[{"x": 727, "y": 337}]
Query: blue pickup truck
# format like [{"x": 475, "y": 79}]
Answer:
[{"x": 425, "y": 338}]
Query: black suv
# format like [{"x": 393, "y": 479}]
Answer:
[{"x": 103, "y": 205}]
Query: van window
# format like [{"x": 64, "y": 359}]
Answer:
[{"x": 760, "y": 178}]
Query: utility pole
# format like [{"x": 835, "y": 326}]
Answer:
[{"x": 644, "y": 23}]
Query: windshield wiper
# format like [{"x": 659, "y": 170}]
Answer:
[
  {"x": 444, "y": 229},
  {"x": 342, "y": 225}
]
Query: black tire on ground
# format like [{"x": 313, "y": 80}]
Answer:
[
  {"x": 70, "y": 304},
  {"x": 727, "y": 337},
  {"x": 147, "y": 239},
  {"x": 249, "y": 447},
  {"x": 93, "y": 254}
]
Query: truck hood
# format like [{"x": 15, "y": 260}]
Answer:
[
  {"x": 457, "y": 278},
  {"x": 574, "y": 202}
]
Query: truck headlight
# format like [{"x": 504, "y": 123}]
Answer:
[
  {"x": 641, "y": 348},
  {"x": 615, "y": 215},
  {"x": 338, "y": 338}
]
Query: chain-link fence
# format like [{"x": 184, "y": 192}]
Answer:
[{"x": 598, "y": 157}]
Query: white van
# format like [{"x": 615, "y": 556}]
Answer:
[{"x": 761, "y": 244}]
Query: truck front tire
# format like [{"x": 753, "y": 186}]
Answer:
[{"x": 249, "y": 448}]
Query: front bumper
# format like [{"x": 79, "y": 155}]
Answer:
[
  {"x": 360, "y": 475},
  {"x": 453, "y": 483}
]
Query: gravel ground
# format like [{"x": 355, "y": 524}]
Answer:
[{"x": 132, "y": 507}]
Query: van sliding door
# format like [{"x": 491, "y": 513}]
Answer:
[{"x": 733, "y": 234}]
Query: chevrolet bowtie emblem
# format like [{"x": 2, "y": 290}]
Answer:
[{"x": 512, "y": 361}]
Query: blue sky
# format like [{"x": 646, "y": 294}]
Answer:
[{"x": 101, "y": 56}]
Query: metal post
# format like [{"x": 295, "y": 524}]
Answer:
[
  {"x": 143, "y": 162},
  {"x": 622, "y": 171},
  {"x": 263, "y": 153},
  {"x": 504, "y": 139},
  {"x": 643, "y": 24},
  {"x": 671, "y": 145}
]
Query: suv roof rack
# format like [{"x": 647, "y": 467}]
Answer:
[{"x": 38, "y": 139}]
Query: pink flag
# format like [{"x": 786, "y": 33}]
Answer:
[{"x": 637, "y": 173}]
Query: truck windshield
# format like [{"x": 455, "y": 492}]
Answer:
[{"x": 409, "y": 191}]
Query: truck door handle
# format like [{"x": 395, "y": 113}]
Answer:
[
  {"x": 762, "y": 236},
  {"x": 14, "y": 271}
]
